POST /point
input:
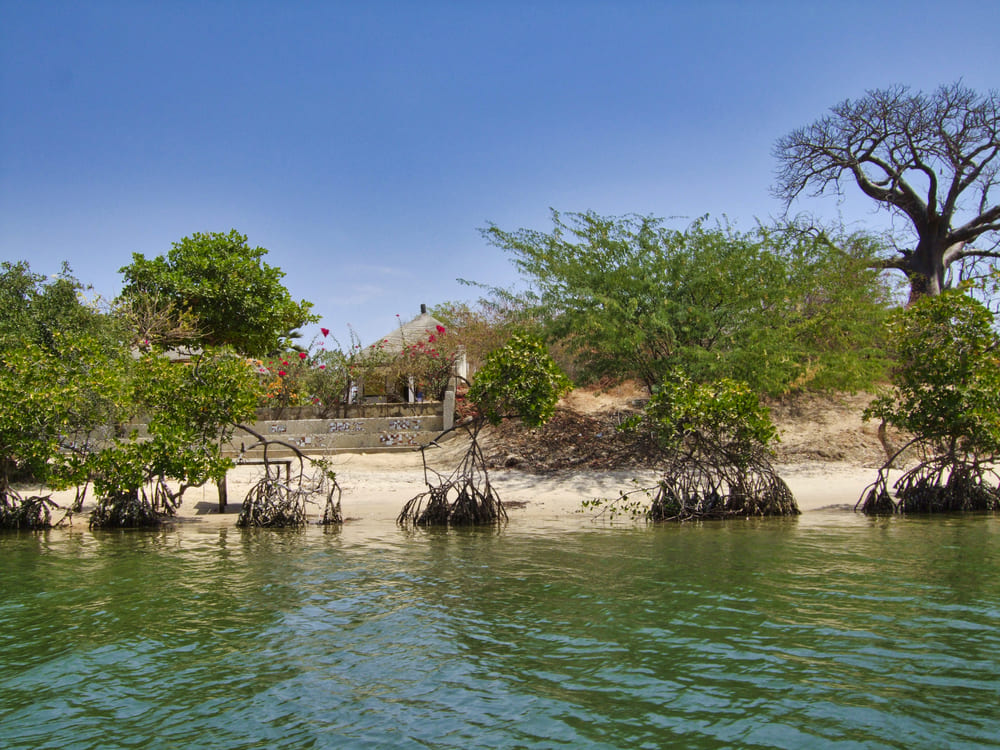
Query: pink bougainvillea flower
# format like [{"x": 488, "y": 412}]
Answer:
[
  {"x": 325, "y": 332},
  {"x": 302, "y": 355},
  {"x": 440, "y": 328}
]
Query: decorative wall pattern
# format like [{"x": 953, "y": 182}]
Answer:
[
  {"x": 405, "y": 424},
  {"x": 353, "y": 425},
  {"x": 397, "y": 438}
]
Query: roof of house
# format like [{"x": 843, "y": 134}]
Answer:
[{"x": 410, "y": 333}]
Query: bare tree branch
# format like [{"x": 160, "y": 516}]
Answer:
[{"x": 917, "y": 155}]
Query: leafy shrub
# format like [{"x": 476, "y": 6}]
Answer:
[
  {"x": 519, "y": 380},
  {"x": 946, "y": 394}
]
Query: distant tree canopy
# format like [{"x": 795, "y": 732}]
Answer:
[
  {"x": 773, "y": 307},
  {"x": 480, "y": 327},
  {"x": 35, "y": 307},
  {"x": 70, "y": 379},
  {"x": 931, "y": 159},
  {"x": 234, "y": 296}
]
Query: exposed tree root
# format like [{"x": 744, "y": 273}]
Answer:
[
  {"x": 703, "y": 485},
  {"x": 25, "y": 513},
  {"x": 275, "y": 502},
  {"x": 695, "y": 487},
  {"x": 137, "y": 508},
  {"x": 463, "y": 498},
  {"x": 947, "y": 483}
]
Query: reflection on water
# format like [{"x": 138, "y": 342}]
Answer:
[{"x": 831, "y": 630}]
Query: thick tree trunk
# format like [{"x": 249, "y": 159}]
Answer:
[{"x": 925, "y": 269}]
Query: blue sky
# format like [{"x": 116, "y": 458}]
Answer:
[{"x": 364, "y": 144}]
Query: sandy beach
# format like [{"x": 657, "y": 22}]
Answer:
[{"x": 377, "y": 485}]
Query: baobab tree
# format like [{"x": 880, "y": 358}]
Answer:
[{"x": 931, "y": 159}]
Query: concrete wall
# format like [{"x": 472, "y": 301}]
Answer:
[
  {"x": 341, "y": 434},
  {"x": 355, "y": 427}
]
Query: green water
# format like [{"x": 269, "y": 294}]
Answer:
[{"x": 831, "y": 630}]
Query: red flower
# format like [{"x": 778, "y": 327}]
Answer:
[
  {"x": 431, "y": 339},
  {"x": 284, "y": 362},
  {"x": 440, "y": 328},
  {"x": 322, "y": 367},
  {"x": 302, "y": 355},
  {"x": 325, "y": 331},
  {"x": 281, "y": 373}
]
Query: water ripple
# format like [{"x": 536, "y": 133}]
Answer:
[{"x": 847, "y": 635}]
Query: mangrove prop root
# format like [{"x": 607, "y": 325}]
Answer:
[
  {"x": 331, "y": 511},
  {"x": 273, "y": 502},
  {"x": 277, "y": 502},
  {"x": 25, "y": 513},
  {"x": 702, "y": 484},
  {"x": 940, "y": 484},
  {"x": 130, "y": 509},
  {"x": 701, "y": 487},
  {"x": 463, "y": 498},
  {"x": 149, "y": 506}
]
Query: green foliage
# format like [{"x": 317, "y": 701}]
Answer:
[
  {"x": 715, "y": 461},
  {"x": 69, "y": 383},
  {"x": 36, "y": 309},
  {"x": 777, "y": 308},
  {"x": 35, "y": 402},
  {"x": 62, "y": 365},
  {"x": 724, "y": 413},
  {"x": 237, "y": 299},
  {"x": 191, "y": 408},
  {"x": 519, "y": 380},
  {"x": 51, "y": 399},
  {"x": 946, "y": 384},
  {"x": 946, "y": 394}
]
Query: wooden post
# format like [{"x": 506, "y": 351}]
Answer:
[{"x": 223, "y": 494}]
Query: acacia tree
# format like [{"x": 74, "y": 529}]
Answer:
[
  {"x": 931, "y": 159},
  {"x": 631, "y": 297},
  {"x": 235, "y": 297}
]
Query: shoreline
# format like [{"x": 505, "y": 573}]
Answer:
[{"x": 375, "y": 486}]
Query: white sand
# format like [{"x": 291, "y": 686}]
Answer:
[{"x": 377, "y": 485}]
